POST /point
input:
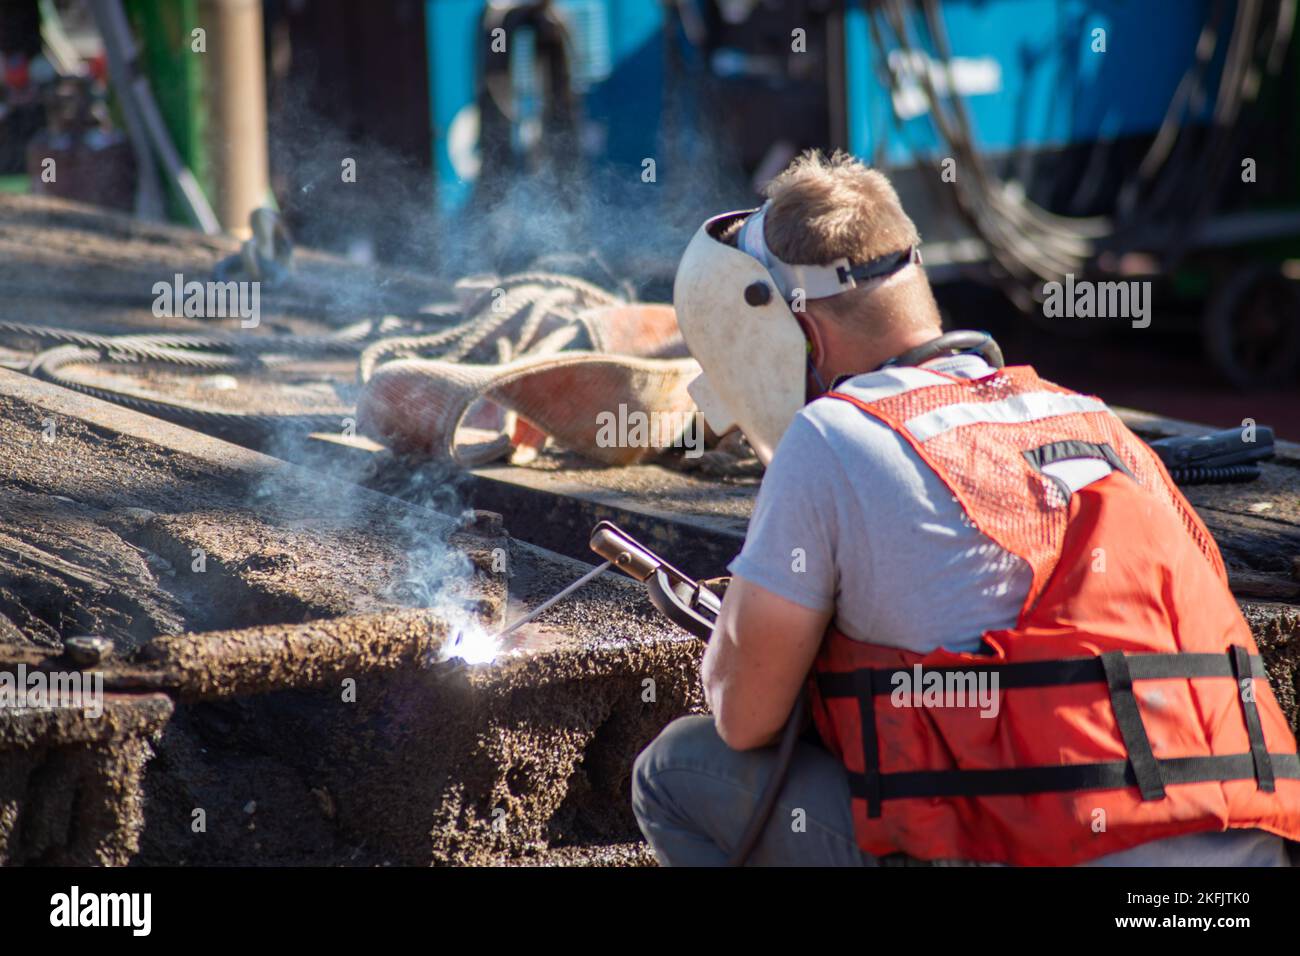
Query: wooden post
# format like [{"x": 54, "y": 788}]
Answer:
[{"x": 237, "y": 102}]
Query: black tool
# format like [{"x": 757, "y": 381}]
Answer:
[{"x": 1224, "y": 456}]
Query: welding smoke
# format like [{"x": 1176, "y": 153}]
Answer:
[
  {"x": 607, "y": 222},
  {"x": 621, "y": 226}
]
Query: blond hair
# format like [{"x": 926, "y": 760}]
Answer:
[{"x": 827, "y": 208}]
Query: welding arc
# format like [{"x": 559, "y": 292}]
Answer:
[{"x": 599, "y": 569}]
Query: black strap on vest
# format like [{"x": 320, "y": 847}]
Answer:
[
  {"x": 1058, "y": 673},
  {"x": 1119, "y": 681},
  {"x": 1056, "y": 451},
  {"x": 1243, "y": 671},
  {"x": 870, "y": 742},
  {"x": 1113, "y": 775},
  {"x": 1117, "y": 671}
]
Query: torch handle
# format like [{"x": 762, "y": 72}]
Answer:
[{"x": 679, "y": 598}]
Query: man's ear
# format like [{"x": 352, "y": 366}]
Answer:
[{"x": 810, "y": 324}]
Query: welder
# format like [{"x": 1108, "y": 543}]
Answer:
[{"x": 1016, "y": 635}]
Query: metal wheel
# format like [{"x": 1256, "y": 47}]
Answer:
[{"x": 1252, "y": 327}]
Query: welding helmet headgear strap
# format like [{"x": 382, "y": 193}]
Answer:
[{"x": 817, "y": 281}]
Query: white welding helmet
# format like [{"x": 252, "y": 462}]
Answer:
[
  {"x": 742, "y": 332},
  {"x": 733, "y": 307}
]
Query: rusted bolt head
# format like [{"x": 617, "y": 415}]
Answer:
[
  {"x": 484, "y": 522},
  {"x": 87, "y": 651}
]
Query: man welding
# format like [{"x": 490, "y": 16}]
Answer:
[{"x": 931, "y": 524}]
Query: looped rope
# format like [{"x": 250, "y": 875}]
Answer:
[
  {"x": 48, "y": 365},
  {"x": 532, "y": 296},
  {"x": 529, "y": 315}
]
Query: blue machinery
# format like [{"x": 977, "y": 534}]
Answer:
[
  {"x": 1029, "y": 72},
  {"x": 1026, "y": 69},
  {"x": 1117, "y": 115},
  {"x": 616, "y": 75}
]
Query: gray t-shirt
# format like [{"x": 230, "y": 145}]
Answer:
[{"x": 850, "y": 520}]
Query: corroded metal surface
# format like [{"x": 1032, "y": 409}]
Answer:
[{"x": 291, "y": 690}]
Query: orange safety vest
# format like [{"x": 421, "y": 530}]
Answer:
[{"x": 1131, "y": 701}]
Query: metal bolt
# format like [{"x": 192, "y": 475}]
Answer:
[
  {"x": 758, "y": 293},
  {"x": 483, "y": 522}
]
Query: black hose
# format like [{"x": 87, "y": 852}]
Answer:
[
  {"x": 681, "y": 610},
  {"x": 1214, "y": 474}
]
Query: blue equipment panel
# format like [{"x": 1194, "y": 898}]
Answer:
[
  {"x": 617, "y": 73},
  {"x": 1028, "y": 72}
]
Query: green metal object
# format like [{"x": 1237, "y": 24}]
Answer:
[{"x": 164, "y": 30}]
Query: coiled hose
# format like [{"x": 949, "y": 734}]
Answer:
[{"x": 1214, "y": 475}]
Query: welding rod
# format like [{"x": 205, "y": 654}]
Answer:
[{"x": 551, "y": 600}]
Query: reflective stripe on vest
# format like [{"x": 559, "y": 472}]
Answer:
[{"x": 1030, "y": 407}]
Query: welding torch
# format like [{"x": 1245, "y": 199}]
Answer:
[
  {"x": 686, "y": 602},
  {"x": 694, "y": 607}
]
